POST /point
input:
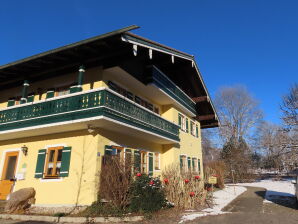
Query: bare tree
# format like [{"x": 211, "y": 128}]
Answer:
[
  {"x": 290, "y": 108},
  {"x": 238, "y": 112},
  {"x": 277, "y": 146},
  {"x": 209, "y": 149}
]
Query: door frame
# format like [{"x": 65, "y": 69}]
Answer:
[{"x": 3, "y": 157}]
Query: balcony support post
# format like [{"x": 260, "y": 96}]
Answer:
[
  {"x": 25, "y": 92},
  {"x": 78, "y": 88}
]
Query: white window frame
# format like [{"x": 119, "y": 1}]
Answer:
[
  {"x": 192, "y": 128},
  {"x": 155, "y": 161}
]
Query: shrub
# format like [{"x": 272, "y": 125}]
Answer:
[
  {"x": 216, "y": 168},
  {"x": 184, "y": 189},
  {"x": 147, "y": 194},
  {"x": 115, "y": 181}
]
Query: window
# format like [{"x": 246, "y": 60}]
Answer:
[
  {"x": 194, "y": 165},
  {"x": 181, "y": 122},
  {"x": 183, "y": 162},
  {"x": 199, "y": 166},
  {"x": 53, "y": 162},
  {"x": 143, "y": 162},
  {"x": 189, "y": 163},
  {"x": 197, "y": 131},
  {"x": 157, "y": 161},
  {"x": 192, "y": 128}
]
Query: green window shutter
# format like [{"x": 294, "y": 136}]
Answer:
[
  {"x": 66, "y": 153},
  {"x": 179, "y": 120},
  {"x": 150, "y": 157},
  {"x": 199, "y": 165},
  {"x": 40, "y": 163},
  {"x": 50, "y": 94},
  {"x": 189, "y": 163},
  {"x": 186, "y": 120},
  {"x": 181, "y": 162},
  {"x": 30, "y": 99},
  {"x": 137, "y": 161},
  {"x": 10, "y": 103},
  {"x": 197, "y": 131}
]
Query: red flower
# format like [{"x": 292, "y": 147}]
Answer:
[
  {"x": 151, "y": 182},
  {"x": 191, "y": 194},
  {"x": 186, "y": 181},
  {"x": 166, "y": 181},
  {"x": 197, "y": 177},
  {"x": 139, "y": 174},
  {"x": 209, "y": 189},
  {"x": 215, "y": 175}
]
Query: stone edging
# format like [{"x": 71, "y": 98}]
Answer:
[{"x": 71, "y": 219}]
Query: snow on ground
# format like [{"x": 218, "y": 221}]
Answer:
[
  {"x": 221, "y": 199},
  {"x": 282, "y": 189}
]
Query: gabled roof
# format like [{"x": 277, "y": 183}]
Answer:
[{"x": 116, "y": 48}]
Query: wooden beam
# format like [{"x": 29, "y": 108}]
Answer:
[
  {"x": 206, "y": 117},
  {"x": 200, "y": 99},
  {"x": 212, "y": 125}
]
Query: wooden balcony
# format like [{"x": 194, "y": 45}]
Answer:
[{"x": 102, "y": 108}]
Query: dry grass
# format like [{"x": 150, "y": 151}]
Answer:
[
  {"x": 215, "y": 168},
  {"x": 184, "y": 189}
]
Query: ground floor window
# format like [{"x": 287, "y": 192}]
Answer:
[
  {"x": 157, "y": 161},
  {"x": 53, "y": 162}
]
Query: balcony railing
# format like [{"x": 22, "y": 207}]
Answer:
[
  {"x": 164, "y": 83},
  {"x": 101, "y": 102}
]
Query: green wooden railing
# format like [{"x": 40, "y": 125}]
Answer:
[
  {"x": 86, "y": 105},
  {"x": 164, "y": 83}
]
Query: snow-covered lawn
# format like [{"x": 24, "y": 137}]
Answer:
[
  {"x": 275, "y": 189},
  {"x": 221, "y": 199}
]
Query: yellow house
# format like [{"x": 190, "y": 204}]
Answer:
[{"x": 63, "y": 110}]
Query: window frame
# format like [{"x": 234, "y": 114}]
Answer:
[
  {"x": 156, "y": 156},
  {"x": 55, "y": 161},
  {"x": 183, "y": 122},
  {"x": 192, "y": 128}
]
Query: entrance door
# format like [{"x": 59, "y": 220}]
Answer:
[{"x": 8, "y": 174}]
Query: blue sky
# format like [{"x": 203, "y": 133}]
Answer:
[{"x": 248, "y": 42}]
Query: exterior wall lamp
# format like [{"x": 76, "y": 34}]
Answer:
[{"x": 24, "y": 150}]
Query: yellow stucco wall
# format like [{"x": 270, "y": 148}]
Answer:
[{"x": 78, "y": 187}]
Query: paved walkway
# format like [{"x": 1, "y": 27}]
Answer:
[{"x": 249, "y": 208}]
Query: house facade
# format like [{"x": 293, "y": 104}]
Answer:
[{"x": 63, "y": 111}]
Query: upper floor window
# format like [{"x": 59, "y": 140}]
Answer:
[
  {"x": 192, "y": 128},
  {"x": 182, "y": 122}
]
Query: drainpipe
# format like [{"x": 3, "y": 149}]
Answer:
[
  {"x": 25, "y": 92},
  {"x": 78, "y": 87}
]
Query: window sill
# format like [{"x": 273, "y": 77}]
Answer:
[{"x": 58, "y": 179}]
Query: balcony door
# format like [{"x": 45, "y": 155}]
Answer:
[{"x": 8, "y": 174}]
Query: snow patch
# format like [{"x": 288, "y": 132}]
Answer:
[{"x": 221, "y": 199}]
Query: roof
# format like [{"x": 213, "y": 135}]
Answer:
[{"x": 111, "y": 49}]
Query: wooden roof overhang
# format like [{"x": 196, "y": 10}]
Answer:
[{"x": 111, "y": 49}]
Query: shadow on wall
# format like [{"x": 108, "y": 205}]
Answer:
[{"x": 279, "y": 198}]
